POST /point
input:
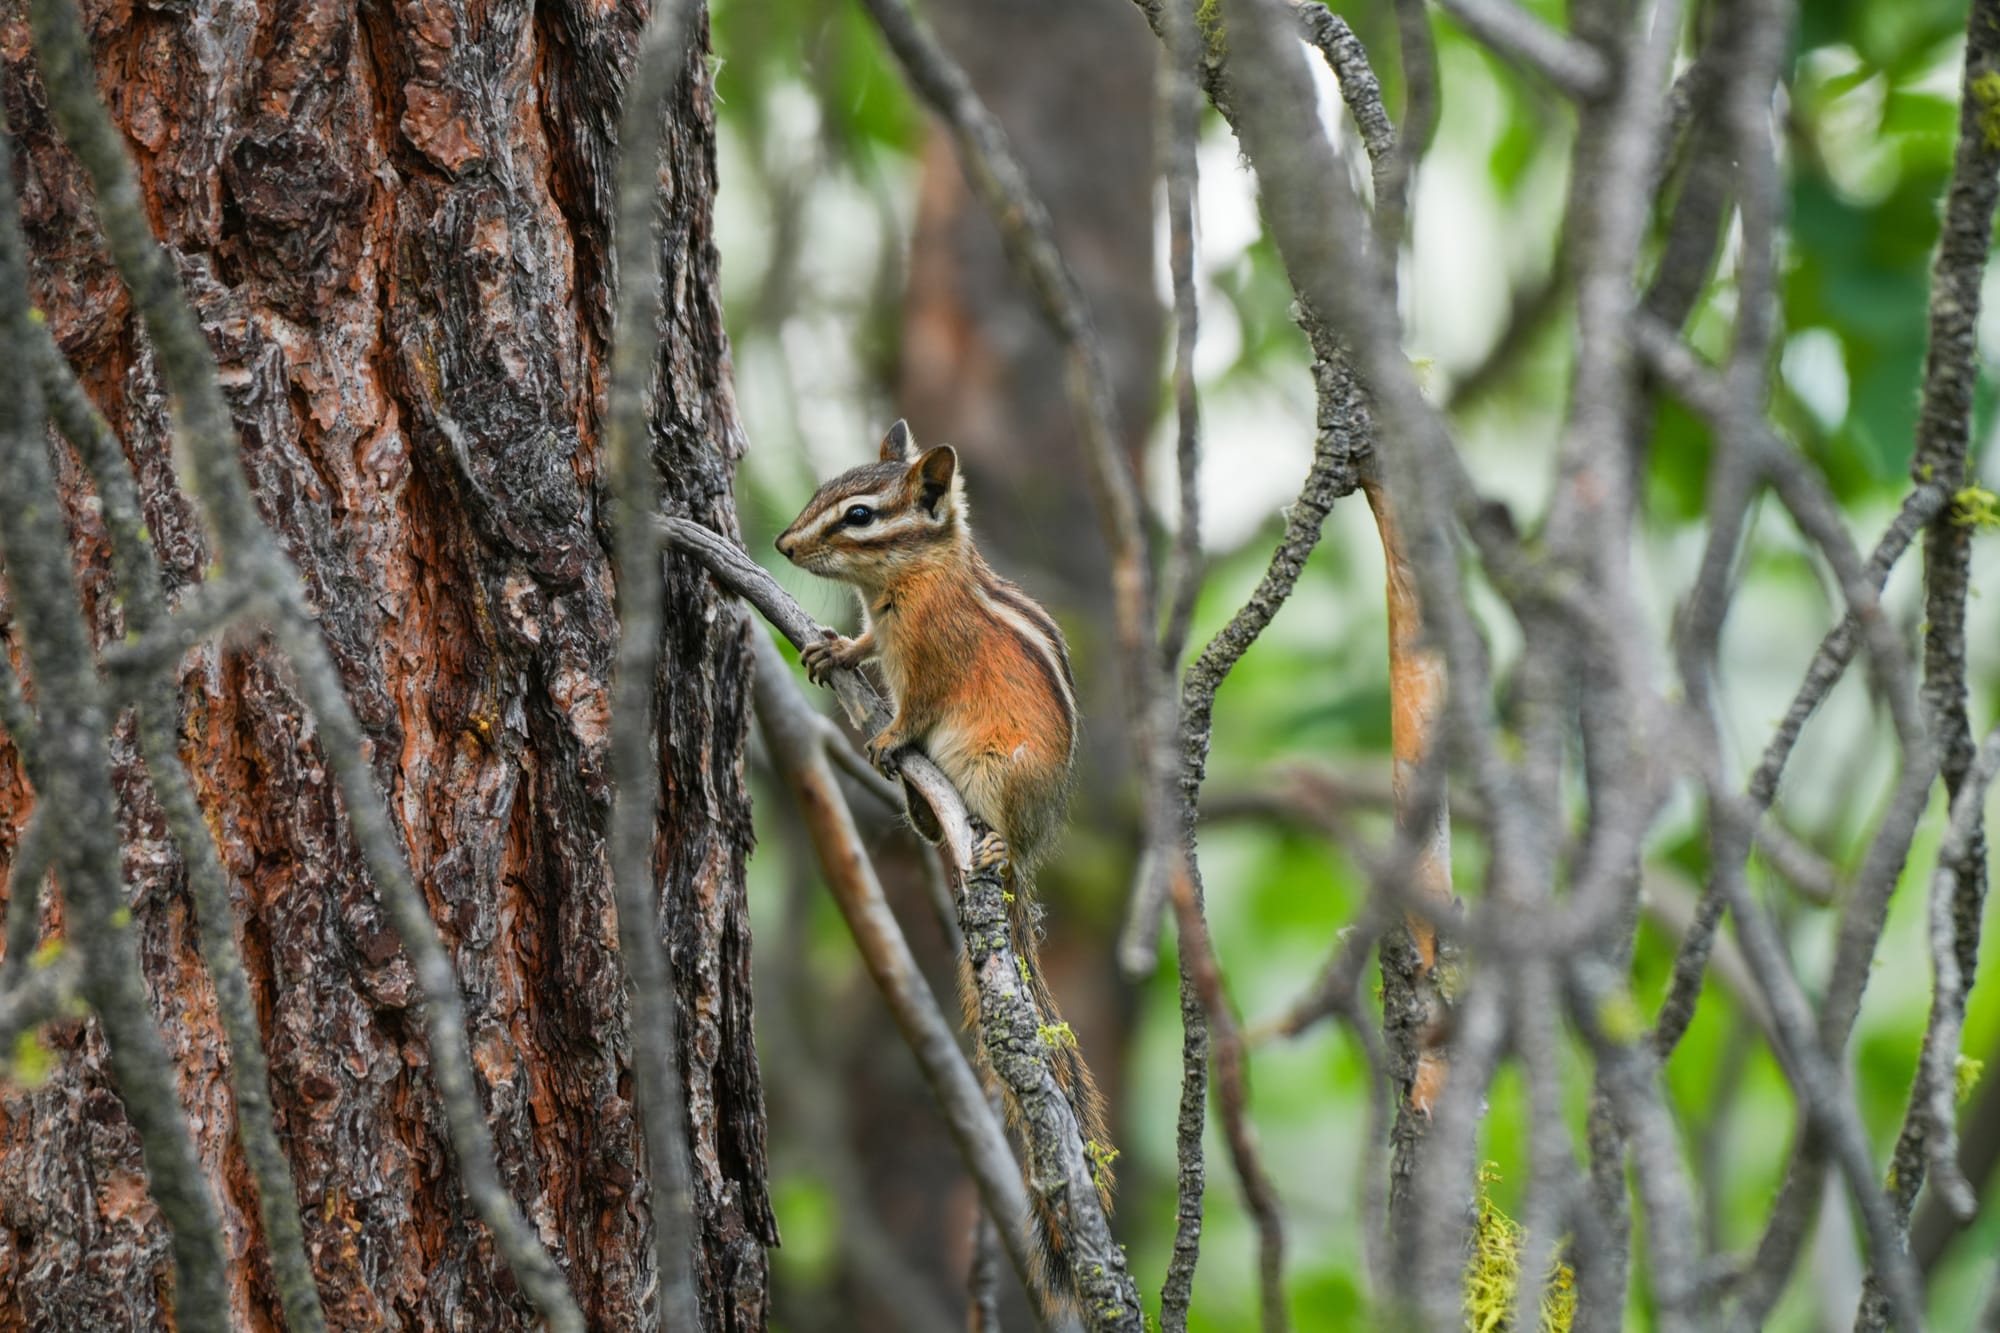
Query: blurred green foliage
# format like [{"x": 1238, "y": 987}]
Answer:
[{"x": 818, "y": 129}]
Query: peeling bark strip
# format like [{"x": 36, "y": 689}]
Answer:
[
  {"x": 393, "y": 227},
  {"x": 1416, "y": 998}
]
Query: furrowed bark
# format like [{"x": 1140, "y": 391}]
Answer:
[{"x": 405, "y": 286}]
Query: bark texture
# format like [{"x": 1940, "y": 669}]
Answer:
[{"x": 393, "y": 224}]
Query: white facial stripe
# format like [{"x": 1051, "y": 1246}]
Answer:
[
  {"x": 837, "y": 515},
  {"x": 885, "y": 530}
]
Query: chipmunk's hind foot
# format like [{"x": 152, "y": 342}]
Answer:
[{"x": 989, "y": 851}]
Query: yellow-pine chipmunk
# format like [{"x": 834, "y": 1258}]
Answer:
[{"x": 981, "y": 681}]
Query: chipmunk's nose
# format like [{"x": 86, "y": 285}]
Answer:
[{"x": 785, "y": 543}]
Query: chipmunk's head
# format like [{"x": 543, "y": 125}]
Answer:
[{"x": 870, "y": 525}]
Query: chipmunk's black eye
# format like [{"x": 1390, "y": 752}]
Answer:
[{"x": 858, "y": 516}]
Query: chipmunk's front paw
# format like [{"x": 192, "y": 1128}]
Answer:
[
  {"x": 989, "y": 853},
  {"x": 833, "y": 653}
]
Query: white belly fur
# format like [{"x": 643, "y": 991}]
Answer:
[{"x": 979, "y": 774}]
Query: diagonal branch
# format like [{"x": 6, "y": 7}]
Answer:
[{"x": 1576, "y": 67}]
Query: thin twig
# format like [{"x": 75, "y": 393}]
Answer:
[
  {"x": 982, "y": 1277},
  {"x": 1630, "y": 1081},
  {"x": 1169, "y": 849},
  {"x": 1937, "y": 1087},
  {"x": 1826, "y": 1104},
  {"x": 17, "y": 719},
  {"x": 1553, "y": 1176},
  {"x": 1421, "y": 102},
  {"x": 1334, "y": 473},
  {"x": 34, "y": 853},
  {"x": 1575, "y": 67},
  {"x": 205, "y": 611},
  {"x": 1181, "y": 125},
  {"x": 660, "y": 64},
  {"x": 1702, "y": 389},
  {"x": 1942, "y": 454},
  {"x": 1362, "y": 92},
  {"x": 1315, "y": 220},
  {"x": 1232, "y": 1095}
]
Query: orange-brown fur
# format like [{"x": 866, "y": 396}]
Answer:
[{"x": 979, "y": 675}]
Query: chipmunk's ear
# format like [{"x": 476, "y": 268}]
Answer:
[
  {"x": 936, "y": 475},
  {"x": 899, "y": 446}
]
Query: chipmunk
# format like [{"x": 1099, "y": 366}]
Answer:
[{"x": 980, "y": 677}]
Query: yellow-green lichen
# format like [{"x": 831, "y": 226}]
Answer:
[
  {"x": 1101, "y": 1155},
  {"x": 1967, "y": 1077},
  {"x": 1976, "y": 507},
  {"x": 1621, "y": 1019},
  {"x": 1057, "y": 1034},
  {"x": 31, "y": 1063},
  {"x": 1208, "y": 19},
  {"x": 1448, "y": 978},
  {"x": 47, "y": 952},
  {"x": 1495, "y": 1270},
  {"x": 1986, "y": 91}
]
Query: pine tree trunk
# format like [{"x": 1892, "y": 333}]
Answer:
[{"x": 393, "y": 224}]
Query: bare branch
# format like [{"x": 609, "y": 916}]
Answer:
[
  {"x": 1939, "y": 1070},
  {"x": 1421, "y": 99},
  {"x": 1942, "y": 455},
  {"x": 660, "y": 63},
  {"x": 1333, "y": 474},
  {"x": 34, "y": 853},
  {"x": 1168, "y": 852},
  {"x": 1575, "y": 67},
  {"x": 1232, "y": 1098},
  {"x": 47, "y": 991}
]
